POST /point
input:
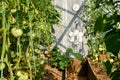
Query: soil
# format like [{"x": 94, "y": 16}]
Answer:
[
  {"x": 77, "y": 70},
  {"x": 103, "y": 57},
  {"x": 95, "y": 71},
  {"x": 52, "y": 73}
]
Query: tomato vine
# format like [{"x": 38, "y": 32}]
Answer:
[
  {"x": 102, "y": 21},
  {"x": 24, "y": 25}
]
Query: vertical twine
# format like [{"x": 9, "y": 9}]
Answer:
[{"x": 31, "y": 41}]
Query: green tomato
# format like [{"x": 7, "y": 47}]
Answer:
[
  {"x": 16, "y": 32},
  {"x": 37, "y": 51},
  {"x": 13, "y": 10},
  {"x": 19, "y": 73},
  {"x": 42, "y": 62},
  {"x": 100, "y": 49},
  {"x": 13, "y": 55},
  {"x": 24, "y": 22},
  {"x": 96, "y": 55},
  {"x": 97, "y": 59},
  {"x": 11, "y": 20},
  {"x": 22, "y": 75},
  {"x": 27, "y": 55},
  {"x": 2, "y": 66},
  {"x": 111, "y": 60}
]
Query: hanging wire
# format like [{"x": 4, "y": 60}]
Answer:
[
  {"x": 18, "y": 39},
  {"x": 3, "y": 42},
  {"x": 17, "y": 20},
  {"x": 4, "y": 25},
  {"x": 31, "y": 41}
]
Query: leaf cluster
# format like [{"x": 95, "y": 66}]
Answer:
[
  {"x": 102, "y": 21},
  {"x": 35, "y": 19},
  {"x": 58, "y": 60}
]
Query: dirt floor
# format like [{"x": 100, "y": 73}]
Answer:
[
  {"x": 52, "y": 73},
  {"x": 95, "y": 71},
  {"x": 77, "y": 70}
]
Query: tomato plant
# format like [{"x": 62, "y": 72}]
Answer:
[
  {"x": 102, "y": 21},
  {"x": 24, "y": 25}
]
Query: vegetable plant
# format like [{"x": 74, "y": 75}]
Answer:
[
  {"x": 78, "y": 56},
  {"x": 70, "y": 51},
  {"x": 24, "y": 26},
  {"x": 101, "y": 18},
  {"x": 59, "y": 60}
]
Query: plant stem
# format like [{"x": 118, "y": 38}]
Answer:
[
  {"x": 4, "y": 36},
  {"x": 19, "y": 46},
  {"x": 9, "y": 67}
]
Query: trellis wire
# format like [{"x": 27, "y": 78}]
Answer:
[
  {"x": 31, "y": 41},
  {"x": 4, "y": 35}
]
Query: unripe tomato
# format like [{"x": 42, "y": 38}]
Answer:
[
  {"x": 2, "y": 66},
  {"x": 111, "y": 60},
  {"x": 18, "y": 73},
  {"x": 27, "y": 55},
  {"x": 13, "y": 10},
  {"x": 41, "y": 62},
  {"x": 12, "y": 20},
  {"x": 100, "y": 49},
  {"x": 96, "y": 55},
  {"x": 96, "y": 59},
  {"x": 16, "y": 32}
]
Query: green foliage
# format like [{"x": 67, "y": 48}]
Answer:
[
  {"x": 102, "y": 21},
  {"x": 99, "y": 24},
  {"x": 61, "y": 61},
  {"x": 24, "y": 25},
  {"x": 78, "y": 56},
  {"x": 116, "y": 75},
  {"x": 69, "y": 51},
  {"x": 58, "y": 60},
  {"x": 108, "y": 67},
  {"x": 112, "y": 41}
]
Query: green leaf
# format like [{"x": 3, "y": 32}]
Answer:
[
  {"x": 112, "y": 41},
  {"x": 108, "y": 67},
  {"x": 99, "y": 25},
  {"x": 61, "y": 63},
  {"x": 97, "y": 2},
  {"x": 35, "y": 2},
  {"x": 62, "y": 67},
  {"x": 78, "y": 56},
  {"x": 55, "y": 64},
  {"x": 69, "y": 50},
  {"x": 115, "y": 75}
]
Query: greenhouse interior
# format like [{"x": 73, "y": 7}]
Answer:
[{"x": 60, "y": 39}]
